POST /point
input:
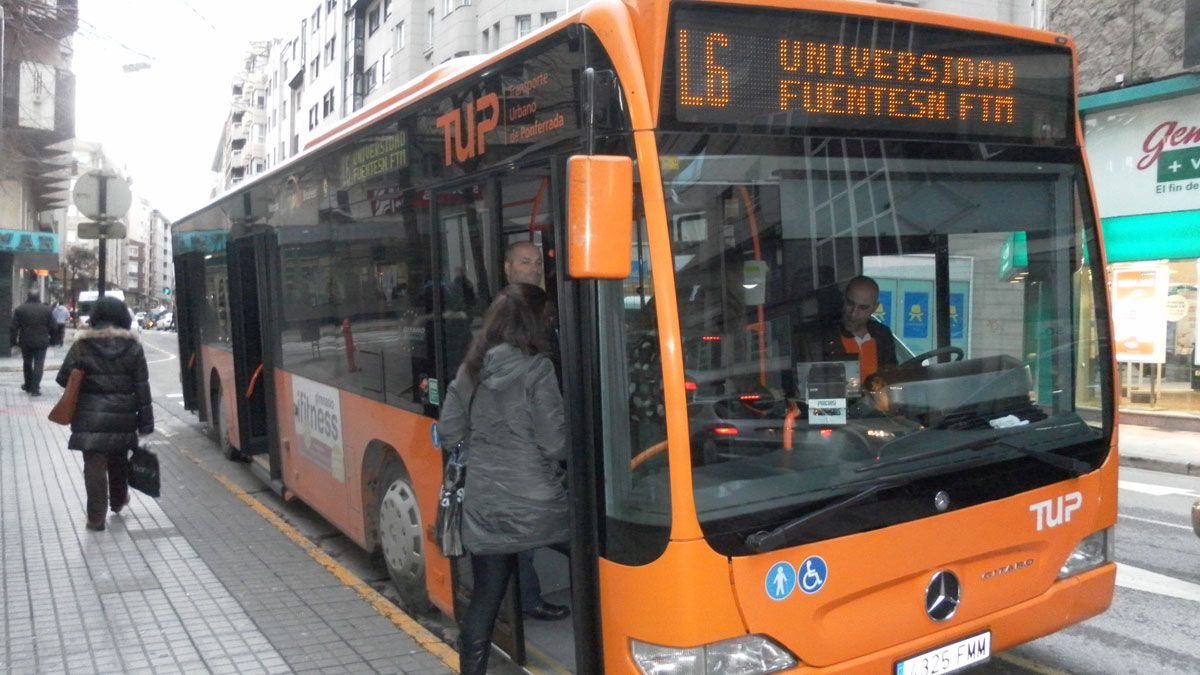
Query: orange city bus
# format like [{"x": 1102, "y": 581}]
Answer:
[{"x": 702, "y": 180}]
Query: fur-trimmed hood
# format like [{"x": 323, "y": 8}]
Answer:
[
  {"x": 107, "y": 332},
  {"x": 109, "y": 342}
]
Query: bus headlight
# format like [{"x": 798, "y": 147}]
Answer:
[
  {"x": 1095, "y": 550},
  {"x": 739, "y": 656}
]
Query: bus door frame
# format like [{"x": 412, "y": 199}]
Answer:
[
  {"x": 577, "y": 331},
  {"x": 509, "y": 631},
  {"x": 189, "y": 313},
  {"x": 253, "y": 264}
]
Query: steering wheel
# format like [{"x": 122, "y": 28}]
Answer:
[{"x": 948, "y": 349}]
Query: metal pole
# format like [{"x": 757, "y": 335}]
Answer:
[
  {"x": 103, "y": 261},
  {"x": 102, "y": 225}
]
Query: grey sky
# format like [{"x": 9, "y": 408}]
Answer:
[{"x": 163, "y": 122}]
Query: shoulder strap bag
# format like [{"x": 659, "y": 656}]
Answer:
[
  {"x": 447, "y": 529},
  {"x": 64, "y": 411}
]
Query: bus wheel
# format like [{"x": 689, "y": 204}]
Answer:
[{"x": 401, "y": 540}]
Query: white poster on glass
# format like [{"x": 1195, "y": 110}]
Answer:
[{"x": 1139, "y": 302}]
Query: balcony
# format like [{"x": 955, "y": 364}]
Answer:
[{"x": 38, "y": 115}]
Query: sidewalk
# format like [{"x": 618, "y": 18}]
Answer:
[{"x": 194, "y": 582}]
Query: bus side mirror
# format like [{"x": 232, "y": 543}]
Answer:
[{"x": 599, "y": 216}]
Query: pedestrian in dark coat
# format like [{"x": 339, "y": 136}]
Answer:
[
  {"x": 114, "y": 405},
  {"x": 515, "y": 497},
  {"x": 32, "y": 329}
]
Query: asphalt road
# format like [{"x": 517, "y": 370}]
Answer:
[{"x": 1152, "y": 626}]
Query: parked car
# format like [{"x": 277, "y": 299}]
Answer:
[{"x": 166, "y": 321}]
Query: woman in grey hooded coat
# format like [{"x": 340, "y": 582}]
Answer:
[{"x": 505, "y": 401}]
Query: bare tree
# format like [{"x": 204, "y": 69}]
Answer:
[{"x": 80, "y": 270}]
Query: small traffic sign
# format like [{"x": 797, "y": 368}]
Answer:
[
  {"x": 112, "y": 230},
  {"x": 102, "y": 195}
]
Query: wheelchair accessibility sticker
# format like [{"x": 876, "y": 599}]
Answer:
[
  {"x": 812, "y": 574},
  {"x": 434, "y": 437},
  {"x": 781, "y": 580}
]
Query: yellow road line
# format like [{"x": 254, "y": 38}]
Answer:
[
  {"x": 401, "y": 620},
  {"x": 1027, "y": 664}
]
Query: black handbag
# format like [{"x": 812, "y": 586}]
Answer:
[
  {"x": 143, "y": 471},
  {"x": 447, "y": 529}
]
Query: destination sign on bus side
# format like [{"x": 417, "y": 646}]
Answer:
[{"x": 829, "y": 71}]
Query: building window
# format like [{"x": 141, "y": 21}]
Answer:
[
  {"x": 447, "y": 6},
  {"x": 385, "y": 63},
  {"x": 259, "y": 167},
  {"x": 316, "y": 69},
  {"x": 496, "y": 36},
  {"x": 313, "y": 117},
  {"x": 370, "y": 78},
  {"x": 462, "y": 3},
  {"x": 316, "y": 19},
  {"x": 330, "y": 5},
  {"x": 260, "y": 100},
  {"x": 485, "y": 44},
  {"x": 524, "y": 25},
  {"x": 260, "y": 133},
  {"x": 373, "y": 20},
  {"x": 331, "y": 49},
  {"x": 547, "y": 17},
  {"x": 327, "y": 103},
  {"x": 429, "y": 30},
  {"x": 399, "y": 37},
  {"x": 387, "y": 9}
]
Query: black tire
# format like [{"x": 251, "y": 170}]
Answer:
[{"x": 402, "y": 539}]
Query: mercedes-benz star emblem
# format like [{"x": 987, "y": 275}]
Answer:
[{"x": 942, "y": 596}]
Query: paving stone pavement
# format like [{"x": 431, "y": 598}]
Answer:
[{"x": 194, "y": 582}]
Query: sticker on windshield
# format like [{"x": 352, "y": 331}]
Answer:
[
  {"x": 781, "y": 580},
  {"x": 812, "y": 574}
]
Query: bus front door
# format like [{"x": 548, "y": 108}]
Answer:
[{"x": 251, "y": 263}]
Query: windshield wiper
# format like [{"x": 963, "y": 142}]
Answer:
[
  {"x": 764, "y": 541},
  {"x": 1073, "y": 466}
]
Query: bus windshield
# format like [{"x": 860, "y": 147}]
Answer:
[{"x": 986, "y": 263}]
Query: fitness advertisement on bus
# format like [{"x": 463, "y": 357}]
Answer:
[{"x": 317, "y": 413}]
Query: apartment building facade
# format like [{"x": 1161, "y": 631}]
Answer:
[{"x": 37, "y": 114}]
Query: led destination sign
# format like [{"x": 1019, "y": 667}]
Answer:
[{"x": 801, "y": 69}]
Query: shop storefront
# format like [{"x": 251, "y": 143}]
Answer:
[
  {"x": 1143, "y": 146},
  {"x": 26, "y": 260}
]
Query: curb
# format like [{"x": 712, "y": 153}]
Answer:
[{"x": 1164, "y": 465}]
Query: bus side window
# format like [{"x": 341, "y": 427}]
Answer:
[{"x": 464, "y": 224}]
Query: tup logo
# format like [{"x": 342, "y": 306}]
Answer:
[
  {"x": 1054, "y": 512},
  {"x": 464, "y": 130}
]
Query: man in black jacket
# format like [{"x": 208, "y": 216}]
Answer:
[
  {"x": 858, "y": 334},
  {"x": 32, "y": 328}
]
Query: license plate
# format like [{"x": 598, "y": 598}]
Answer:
[{"x": 949, "y": 658}]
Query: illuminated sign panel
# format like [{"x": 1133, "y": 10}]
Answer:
[{"x": 827, "y": 71}]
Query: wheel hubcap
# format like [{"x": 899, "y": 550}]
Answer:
[{"x": 400, "y": 530}]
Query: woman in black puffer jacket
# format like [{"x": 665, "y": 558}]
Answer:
[{"x": 114, "y": 405}]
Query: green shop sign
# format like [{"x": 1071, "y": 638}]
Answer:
[{"x": 1153, "y": 236}]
